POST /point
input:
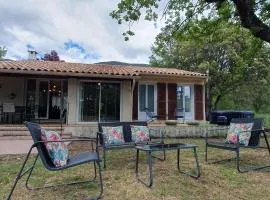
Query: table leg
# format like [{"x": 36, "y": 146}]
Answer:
[
  {"x": 178, "y": 159},
  {"x": 137, "y": 163},
  {"x": 149, "y": 162},
  {"x": 149, "y": 157},
  {"x": 198, "y": 173}
]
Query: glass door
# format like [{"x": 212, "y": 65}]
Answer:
[
  {"x": 42, "y": 99},
  {"x": 184, "y": 107},
  {"x": 110, "y": 102},
  {"x": 99, "y": 102},
  {"x": 55, "y": 99},
  {"x": 89, "y": 101},
  {"x": 147, "y": 99}
]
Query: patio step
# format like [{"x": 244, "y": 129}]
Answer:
[
  {"x": 26, "y": 137},
  {"x": 20, "y": 132}
]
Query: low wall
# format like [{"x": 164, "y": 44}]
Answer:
[
  {"x": 82, "y": 130},
  {"x": 193, "y": 131},
  {"x": 170, "y": 131}
]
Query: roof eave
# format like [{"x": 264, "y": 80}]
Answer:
[{"x": 68, "y": 74}]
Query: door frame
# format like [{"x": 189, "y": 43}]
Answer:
[
  {"x": 142, "y": 115},
  {"x": 38, "y": 80},
  {"x": 188, "y": 115},
  {"x": 78, "y": 96}
]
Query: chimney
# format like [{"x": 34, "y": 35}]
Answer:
[{"x": 32, "y": 55}]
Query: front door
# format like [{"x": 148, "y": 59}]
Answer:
[
  {"x": 184, "y": 102},
  {"x": 147, "y": 99}
]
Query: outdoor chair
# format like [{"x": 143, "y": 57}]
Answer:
[
  {"x": 150, "y": 115},
  {"x": 91, "y": 156},
  {"x": 155, "y": 137},
  {"x": 180, "y": 114},
  {"x": 254, "y": 143}
]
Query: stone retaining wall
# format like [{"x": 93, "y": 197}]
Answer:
[{"x": 170, "y": 131}]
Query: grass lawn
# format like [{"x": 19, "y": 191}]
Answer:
[{"x": 217, "y": 181}]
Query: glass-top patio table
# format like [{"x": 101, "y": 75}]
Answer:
[{"x": 149, "y": 148}]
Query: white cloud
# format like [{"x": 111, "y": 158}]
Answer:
[{"x": 47, "y": 25}]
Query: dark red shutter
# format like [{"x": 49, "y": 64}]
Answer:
[
  {"x": 135, "y": 103},
  {"x": 171, "y": 100},
  {"x": 161, "y": 101},
  {"x": 198, "y": 102}
]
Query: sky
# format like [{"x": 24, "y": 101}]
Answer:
[{"x": 79, "y": 30}]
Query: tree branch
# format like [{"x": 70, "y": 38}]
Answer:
[{"x": 249, "y": 19}]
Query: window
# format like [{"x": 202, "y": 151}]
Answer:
[
  {"x": 99, "y": 101},
  {"x": 146, "y": 97}
]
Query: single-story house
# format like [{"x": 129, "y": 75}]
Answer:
[{"x": 88, "y": 93}]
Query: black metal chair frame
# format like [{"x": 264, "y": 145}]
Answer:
[
  {"x": 150, "y": 115},
  {"x": 38, "y": 144},
  {"x": 125, "y": 145},
  {"x": 178, "y": 116},
  {"x": 253, "y": 144}
]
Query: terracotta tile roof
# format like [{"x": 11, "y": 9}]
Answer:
[{"x": 77, "y": 69}]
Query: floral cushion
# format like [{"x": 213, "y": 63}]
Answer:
[
  {"x": 140, "y": 133},
  {"x": 58, "y": 151},
  {"x": 243, "y": 130},
  {"x": 113, "y": 135}
]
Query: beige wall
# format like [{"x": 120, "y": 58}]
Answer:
[
  {"x": 12, "y": 85},
  {"x": 126, "y": 101},
  {"x": 72, "y": 103}
]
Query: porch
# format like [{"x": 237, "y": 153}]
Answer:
[{"x": 32, "y": 99}]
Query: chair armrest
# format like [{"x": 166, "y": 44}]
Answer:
[
  {"x": 267, "y": 130},
  {"x": 214, "y": 130},
  {"x": 70, "y": 140},
  {"x": 83, "y": 138},
  {"x": 99, "y": 133}
]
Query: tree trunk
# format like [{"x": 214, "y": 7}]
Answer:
[{"x": 216, "y": 102}]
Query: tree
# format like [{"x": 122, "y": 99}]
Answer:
[
  {"x": 3, "y": 52},
  {"x": 53, "y": 56},
  {"x": 231, "y": 54},
  {"x": 252, "y": 14}
]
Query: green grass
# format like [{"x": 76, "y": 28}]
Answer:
[{"x": 217, "y": 181}]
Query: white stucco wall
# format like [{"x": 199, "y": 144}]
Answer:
[
  {"x": 12, "y": 85},
  {"x": 72, "y": 101},
  {"x": 126, "y": 101}
]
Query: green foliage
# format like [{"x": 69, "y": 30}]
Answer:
[
  {"x": 179, "y": 12},
  {"x": 237, "y": 62},
  {"x": 3, "y": 52}
]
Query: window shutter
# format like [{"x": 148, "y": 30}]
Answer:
[
  {"x": 161, "y": 101},
  {"x": 198, "y": 89},
  {"x": 171, "y": 100},
  {"x": 135, "y": 103}
]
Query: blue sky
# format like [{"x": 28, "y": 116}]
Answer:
[{"x": 80, "y": 31}]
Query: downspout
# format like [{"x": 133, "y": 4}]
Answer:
[
  {"x": 133, "y": 85},
  {"x": 99, "y": 103}
]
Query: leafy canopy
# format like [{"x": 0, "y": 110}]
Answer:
[
  {"x": 231, "y": 54},
  {"x": 3, "y": 52},
  {"x": 252, "y": 14}
]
